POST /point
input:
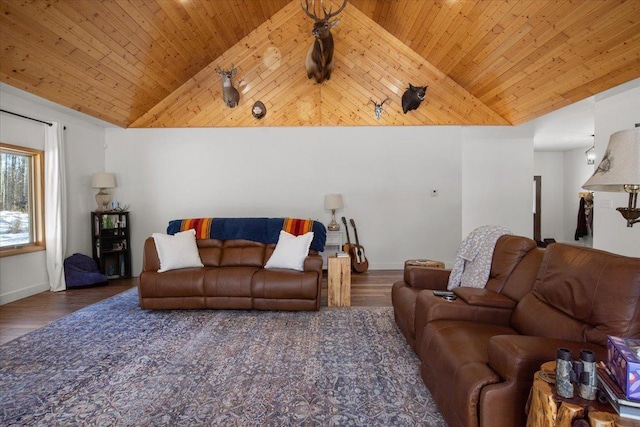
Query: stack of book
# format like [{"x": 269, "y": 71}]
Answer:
[{"x": 623, "y": 406}]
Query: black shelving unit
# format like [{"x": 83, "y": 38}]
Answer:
[{"x": 111, "y": 243}]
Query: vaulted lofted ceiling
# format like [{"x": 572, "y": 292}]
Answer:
[{"x": 151, "y": 63}]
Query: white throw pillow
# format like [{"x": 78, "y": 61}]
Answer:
[
  {"x": 177, "y": 251},
  {"x": 290, "y": 251}
]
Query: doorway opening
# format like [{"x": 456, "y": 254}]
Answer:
[{"x": 537, "y": 208}]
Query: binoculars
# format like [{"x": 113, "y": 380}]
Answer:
[{"x": 581, "y": 372}]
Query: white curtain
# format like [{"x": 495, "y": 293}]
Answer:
[{"x": 55, "y": 206}]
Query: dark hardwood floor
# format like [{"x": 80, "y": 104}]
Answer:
[
  {"x": 372, "y": 288},
  {"x": 23, "y": 316}
]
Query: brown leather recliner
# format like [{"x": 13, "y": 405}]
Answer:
[
  {"x": 514, "y": 267},
  {"x": 479, "y": 367}
]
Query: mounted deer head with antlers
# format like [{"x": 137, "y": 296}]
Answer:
[
  {"x": 377, "y": 108},
  {"x": 229, "y": 93},
  {"x": 319, "y": 62}
]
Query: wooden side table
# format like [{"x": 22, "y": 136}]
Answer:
[
  {"x": 546, "y": 409},
  {"x": 339, "y": 281}
]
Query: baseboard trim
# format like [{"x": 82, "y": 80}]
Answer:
[
  {"x": 23, "y": 293},
  {"x": 398, "y": 265}
]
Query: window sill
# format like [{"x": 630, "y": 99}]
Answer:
[{"x": 21, "y": 250}]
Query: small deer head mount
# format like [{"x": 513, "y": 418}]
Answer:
[
  {"x": 319, "y": 62},
  {"x": 377, "y": 109},
  {"x": 229, "y": 93},
  {"x": 412, "y": 97}
]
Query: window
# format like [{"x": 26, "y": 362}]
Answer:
[{"x": 21, "y": 200}]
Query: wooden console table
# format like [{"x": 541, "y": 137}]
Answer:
[
  {"x": 546, "y": 409},
  {"x": 339, "y": 281}
]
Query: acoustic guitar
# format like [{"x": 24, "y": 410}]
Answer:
[
  {"x": 348, "y": 247},
  {"x": 360, "y": 263}
]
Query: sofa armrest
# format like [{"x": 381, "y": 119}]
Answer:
[
  {"x": 518, "y": 357},
  {"x": 150, "y": 259},
  {"x": 426, "y": 277},
  {"x": 430, "y": 307},
  {"x": 484, "y": 298},
  {"x": 313, "y": 263}
]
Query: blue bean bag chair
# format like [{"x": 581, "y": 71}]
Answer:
[{"x": 81, "y": 270}]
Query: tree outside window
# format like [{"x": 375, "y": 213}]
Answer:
[{"x": 21, "y": 200}]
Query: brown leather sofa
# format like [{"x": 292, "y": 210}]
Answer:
[
  {"x": 233, "y": 277},
  {"x": 479, "y": 353}
]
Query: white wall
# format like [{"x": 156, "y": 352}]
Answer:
[
  {"x": 497, "y": 174},
  {"x": 384, "y": 174},
  {"x": 550, "y": 166},
  {"x": 24, "y": 275},
  {"x": 613, "y": 112}
]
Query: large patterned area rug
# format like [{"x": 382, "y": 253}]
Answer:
[{"x": 112, "y": 364}]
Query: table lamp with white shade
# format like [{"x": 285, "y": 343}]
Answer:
[
  {"x": 333, "y": 202},
  {"x": 104, "y": 181}
]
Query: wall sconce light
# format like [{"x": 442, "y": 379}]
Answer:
[
  {"x": 619, "y": 171},
  {"x": 591, "y": 155},
  {"x": 333, "y": 202},
  {"x": 104, "y": 181}
]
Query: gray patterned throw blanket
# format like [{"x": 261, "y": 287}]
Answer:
[{"x": 473, "y": 260}]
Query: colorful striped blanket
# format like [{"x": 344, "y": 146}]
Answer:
[{"x": 263, "y": 230}]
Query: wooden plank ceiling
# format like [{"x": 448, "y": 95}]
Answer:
[{"x": 151, "y": 63}]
